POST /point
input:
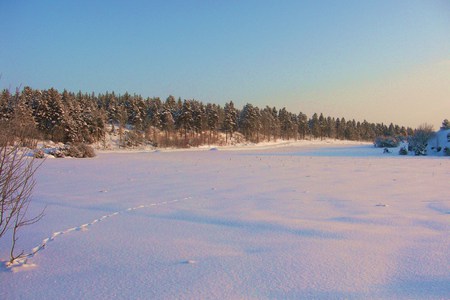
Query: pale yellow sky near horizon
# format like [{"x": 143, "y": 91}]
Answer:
[{"x": 408, "y": 97}]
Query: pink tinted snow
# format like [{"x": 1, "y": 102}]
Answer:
[{"x": 285, "y": 223}]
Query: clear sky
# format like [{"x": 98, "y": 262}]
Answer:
[{"x": 383, "y": 61}]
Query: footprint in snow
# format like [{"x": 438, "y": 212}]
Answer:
[
  {"x": 23, "y": 263},
  {"x": 189, "y": 262}
]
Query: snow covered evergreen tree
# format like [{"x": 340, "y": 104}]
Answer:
[
  {"x": 314, "y": 125},
  {"x": 269, "y": 123},
  {"x": 249, "y": 122},
  {"x": 69, "y": 117},
  {"x": 185, "y": 119},
  {"x": 288, "y": 127},
  {"x": 49, "y": 114},
  {"x": 230, "y": 120},
  {"x": 212, "y": 116}
]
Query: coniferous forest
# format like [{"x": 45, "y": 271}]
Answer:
[{"x": 67, "y": 117}]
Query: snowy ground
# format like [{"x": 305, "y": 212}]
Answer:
[{"x": 284, "y": 223}]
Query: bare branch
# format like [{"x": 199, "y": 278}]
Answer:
[{"x": 17, "y": 182}]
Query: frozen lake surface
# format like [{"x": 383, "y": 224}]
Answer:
[
  {"x": 334, "y": 151},
  {"x": 287, "y": 223}
]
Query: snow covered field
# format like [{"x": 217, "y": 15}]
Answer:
[{"x": 283, "y": 223}]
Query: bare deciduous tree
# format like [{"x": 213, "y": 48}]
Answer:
[{"x": 17, "y": 181}]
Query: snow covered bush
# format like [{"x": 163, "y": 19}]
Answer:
[
  {"x": 403, "y": 151},
  {"x": 386, "y": 142},
  {"x": 420, "y": 149},
  {"x": 419, "y": 140},
  {"x": 447, "y": 151},
  {"x": 80, "y": 150},
  {"x": 58, "y": 153},
  {"x": 39, "y": 153}
]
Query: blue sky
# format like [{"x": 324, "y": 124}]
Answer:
[{"x": 384, "y": 61}]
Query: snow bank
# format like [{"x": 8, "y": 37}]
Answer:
[{"x": 438, "y": 144}]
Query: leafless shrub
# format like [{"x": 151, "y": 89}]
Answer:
[{"x": 17, "y": 170}]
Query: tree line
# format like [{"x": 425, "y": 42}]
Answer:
[{"x": 84, "y": 118}]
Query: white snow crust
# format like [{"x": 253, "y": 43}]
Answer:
[{"x": 293, "y": 222}]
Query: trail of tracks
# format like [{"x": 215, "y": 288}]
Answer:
[{"x": 23, "y": 260}]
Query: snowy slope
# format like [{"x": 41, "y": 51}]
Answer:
[
  {"x": 286, "y": 223},
  {"x": 440, "y": 141}
]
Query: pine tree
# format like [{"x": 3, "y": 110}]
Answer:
[
  {"x": 230, "y": 120},
  {"x": 82, "y": 118},
  {"x": 21, "y": 124},
  {"x": 302, "y": 125},
  {"x": 185, "y": 120},
  {"x": 212, "y": 116},
  {"x": 340, "y": 128},
  {"x": 199, "y": 118},
  {"x": 287, "y": 124},
  {"x": 6, "y": 108},
  {"x": 314, "y": 125},
  {"x": 330, "y": 128},
  {"x": 322, "y": 126},
  {"x": 167, "y": 123},
  {"x": 49, "y": 114},
  {"x": 249, "y": 122},
  {"x": 269, "y": 122}
]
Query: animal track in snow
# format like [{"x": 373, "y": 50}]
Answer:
[
  {"x": 23, "y": 261},
  {"x": 189, "y": 262}
]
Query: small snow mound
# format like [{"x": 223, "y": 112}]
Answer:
[
  {"x": 23, "y": 267},
  {"x": 18, "y": 265},
  {"x": 189, "y": 262},
  {"x": 55, "y": 234},
  {"x": 83, "y": 227},
  {"x": 439, "y": 144}
]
